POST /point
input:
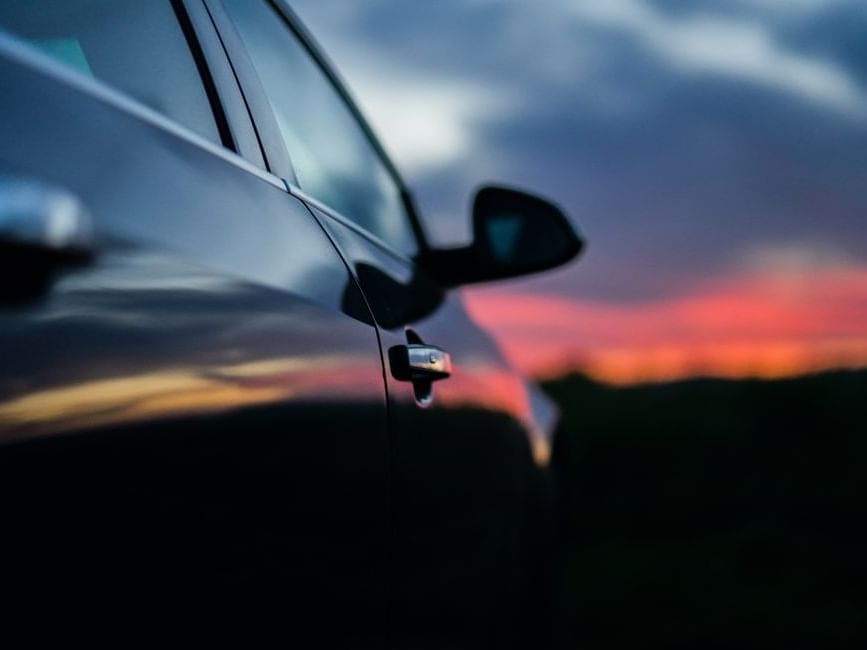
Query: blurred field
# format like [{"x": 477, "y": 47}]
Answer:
[{"x": 713, "y": 514}]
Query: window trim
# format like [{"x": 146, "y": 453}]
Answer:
[
  {"x": 330, "y": 71},
  {"x": 276, "y": 156},
  {"x": 184, "y": 22},
  {"x": 215, "y": 67},
  {"x": 19, "y": 52},
  {"x": 274, "y": 144},
  {"x": 317, "y": 205}
]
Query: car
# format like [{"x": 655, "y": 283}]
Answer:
[{"x": 240, "y": 394}]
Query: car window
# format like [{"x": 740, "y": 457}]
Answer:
[
  {"x": 333, "y": 158},
  {"x": 135, "y": 45}
]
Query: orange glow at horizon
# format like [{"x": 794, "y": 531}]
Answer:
[{"x": 750, "y": 325}]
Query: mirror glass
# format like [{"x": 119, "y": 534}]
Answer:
[{"x": 504, "y": 231}]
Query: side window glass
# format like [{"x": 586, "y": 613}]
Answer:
[
  {"x": 333, "y": 158},
  {"x": 136, "y": 46}
]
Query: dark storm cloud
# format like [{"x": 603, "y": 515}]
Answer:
[{"x": 681, "y": 135}]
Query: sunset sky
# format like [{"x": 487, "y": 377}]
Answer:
[{"x": 713, "y": 153}]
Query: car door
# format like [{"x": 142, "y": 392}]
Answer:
[
  {"x": 193, "y": 432},
  {"x": 466, "y": 451}
]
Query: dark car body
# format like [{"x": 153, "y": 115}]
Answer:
[{"x": 201, "y": 432}]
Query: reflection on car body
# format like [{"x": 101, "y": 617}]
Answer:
[{"x": 200, "y": 431}]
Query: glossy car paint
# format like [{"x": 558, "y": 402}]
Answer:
[
  {"x": 194, "y": 427},
  {"x": 468, "y": 499},
  {"x": 202, "y": 426}
]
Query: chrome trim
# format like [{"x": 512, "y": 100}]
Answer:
[
  {"x": 329, "y": 70},
  {"x": 40, "y": 216},
  {"x": 427, "y": 362},
  {"x": 258, "y": 106},
  {"x": 300, "y": 194},
  {"x": 20, "y": 52},
  {"x": 225, "y": 84}
]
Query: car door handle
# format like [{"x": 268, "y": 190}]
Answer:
[
  {"x": 419, "y": 362},
  {"x": 43, "y": 230},
  {"x": 36, "y": 217}
]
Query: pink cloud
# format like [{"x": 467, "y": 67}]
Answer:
[{"x": 749, "y": 324}]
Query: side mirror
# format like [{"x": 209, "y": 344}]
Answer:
[{"x": 514, "y": 234}]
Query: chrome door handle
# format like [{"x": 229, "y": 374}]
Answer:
[
  {"x": 43, "y": 230},
  {"x": 419, "y": 362},
  {"x": 45, "y": 220}
]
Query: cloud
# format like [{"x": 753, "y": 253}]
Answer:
[
  {"x": 749, "y": 323},
  {"x": 427, "y": 119},
  {"x": 735, "y": 48},
  {"x": 799, "y": 6},
  {"x": 679, "y": 133},
  {"x": 795, "y": 259},
  {"x": 426, "y": 124}
]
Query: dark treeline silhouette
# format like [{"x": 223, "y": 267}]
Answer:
[{"x": 713, "y": 514}]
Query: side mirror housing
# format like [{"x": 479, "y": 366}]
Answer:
[{"x": 514, "y": 234}]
